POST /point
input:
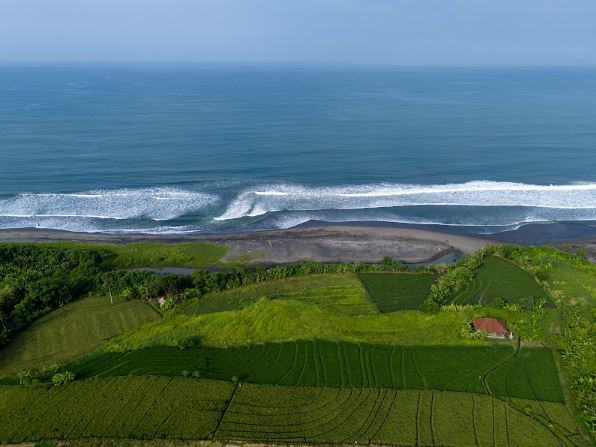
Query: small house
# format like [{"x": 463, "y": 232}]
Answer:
[{"x": 495, "y": 328}]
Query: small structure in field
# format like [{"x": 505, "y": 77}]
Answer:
[{"x": 495, "y": 328}]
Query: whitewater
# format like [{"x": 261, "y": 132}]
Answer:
[{"x": 490, "y": 206}]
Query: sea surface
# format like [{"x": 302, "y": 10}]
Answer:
[{"x": 220, "y": 148}]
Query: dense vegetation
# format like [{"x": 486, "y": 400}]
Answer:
[
  {"x": 204, "y": 409},
  {"x": 152, "y": 254},
  {"x": 73, "y": 330},
  {"x": 391, "y": 292},
  {"x": 35, "y": 279}
]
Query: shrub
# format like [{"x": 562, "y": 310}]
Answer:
[
  {"x": 167, "y": 304},
  {"x": 430, "y": 306},
  {"x": 185, "y": 343},
  {"x": 499, "y": 302},
  {"x": 466, "y": 330},
  {"x": 63, "y": 378}
]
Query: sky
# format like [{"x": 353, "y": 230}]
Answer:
[{"x": 378, "y": 32}]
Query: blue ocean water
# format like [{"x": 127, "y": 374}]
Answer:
[{"x": 207, "y": 148}]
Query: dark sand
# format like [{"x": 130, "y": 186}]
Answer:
[
  {"x": 352, "y": 242},
  {"x": 331, "y": 243}
]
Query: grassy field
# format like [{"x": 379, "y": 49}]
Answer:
[
  {"x": 337, "y": 292},
  {"x": 391, "y": 292},
  {"x": 345, "y": 365},
  {"x": 330, "y": 307},
  {"x": 73, "y": 330},
  {"x": 573, "y": 285},
  {"x": 205, "y": 409},
  {"x": 156, "y": 254},
  {"x": 287, "y": 320},
  {"x": 499, "y": 278}
]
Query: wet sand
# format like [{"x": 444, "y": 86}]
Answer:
[{"x": 329, "y": 243}]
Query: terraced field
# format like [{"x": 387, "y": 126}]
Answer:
[
  {"x": 73, "y": 330},
  {"x": 378, "y": 416},
  {"x": 340, "y": 293},
  {"x": 345, "y": 365},
  {"x": 161, "y": 408},
  {"x": 499, "y": 278},
  {"x": 391, "y": 292}
]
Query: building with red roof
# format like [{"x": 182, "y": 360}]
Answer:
[{"x": 495, "y": 328}]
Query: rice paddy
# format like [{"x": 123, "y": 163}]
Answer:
[
  {"x": 328, "y": 364},
  {"x": 206, "y": 409},
  {"x": 391, "y": 292},
  {"x": 499, "y": 278}
]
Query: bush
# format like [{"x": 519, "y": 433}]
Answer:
[
  {"x": 499, "y": 302},
  {"x": 167, "y": 304},
  {"x": 429, "y": 305},
  {"x": 185, "y": 343},
  {"x": 455, "y": 277},
  {"x": 63, "y": 378}
]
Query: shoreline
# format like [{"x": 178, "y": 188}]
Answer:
[{"x": 337, "y": 242}]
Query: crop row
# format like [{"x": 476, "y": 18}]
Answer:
[
  {"x": 154, "y": 407},
  {"x": 391, "y": 292},
  {"x": 532, "y": 374},
  {"x": 378, "y": 416},
  {"x": 144, "y": 408}
]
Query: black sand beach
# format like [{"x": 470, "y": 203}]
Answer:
[{"x": 353, "y": 242}]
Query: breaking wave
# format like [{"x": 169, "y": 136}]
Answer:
[
  {"x": 481, "y": 205},
  {"x": 274, "y": 198},
  {"x": 162, "y": 203}
]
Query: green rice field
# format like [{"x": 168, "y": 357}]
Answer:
[
  {"x": 531, "y": 372},
  {"x": 499, "y": 278},
  {"x": 391, "y": 292},
  {"x": 322, "y": 363},
  {"x": 162, "y": 408},
  {"x": 73, "y": 330}
]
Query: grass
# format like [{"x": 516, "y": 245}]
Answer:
[
  {"x": 573, "y": 285},
  {"x": 499, "y": 278},
  {"x": 391, "y": 292},
  {"x": 73, "y": 330},
  {"x": 337, "y": 292},
  {"x": 329, "y": 307},
  {"x": 157, "y": 254},
  {"x": 287, "y": 320},
  {"x": 116, "y": 408},
  {"x": 329, "y": 364}
]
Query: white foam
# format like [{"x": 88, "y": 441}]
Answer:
[
  {"x": 161, "y": 203},
  {"x": 273, "y": 198}
]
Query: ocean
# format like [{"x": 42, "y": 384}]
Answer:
[{"x": 224, "y": 148}]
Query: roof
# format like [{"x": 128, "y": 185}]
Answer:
[{"x": 490, "y": 325}]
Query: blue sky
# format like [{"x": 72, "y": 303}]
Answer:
[{"x": 386, "y": 32}]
